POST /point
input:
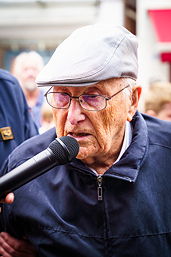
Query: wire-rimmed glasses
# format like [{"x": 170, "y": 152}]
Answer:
[{"x": 90, "y": 102}]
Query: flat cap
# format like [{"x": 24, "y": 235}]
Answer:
[{"x": 91, "y": 54}]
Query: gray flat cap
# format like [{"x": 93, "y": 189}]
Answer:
[{"x": 91, "y": 54}]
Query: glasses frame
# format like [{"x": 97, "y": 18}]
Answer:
[{"x": 107, "y": 98}]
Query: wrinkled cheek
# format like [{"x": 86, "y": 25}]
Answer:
[
  {"x": 108, "y": 130},
  {"x": 104, "y": 128},
  {"x": 108, "y": 118},
  {"x": 59, "y": 123}
]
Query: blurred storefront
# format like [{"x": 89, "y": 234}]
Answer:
[
  {"x": 43, "y": 24},
  {"x": 153, "y": 24},
  {"x": 39, "y": 25}
]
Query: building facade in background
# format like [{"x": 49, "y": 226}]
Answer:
[{"x": 44, "y": 24}]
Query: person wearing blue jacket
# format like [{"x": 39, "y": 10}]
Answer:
[
  {"x": 16, "y": 124},
  {"x": 113, "y": 199}
]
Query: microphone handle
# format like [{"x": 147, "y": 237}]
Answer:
[{"x": 27, "y": 171}]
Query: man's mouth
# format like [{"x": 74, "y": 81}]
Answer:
[{"x": 78, "y": 135}]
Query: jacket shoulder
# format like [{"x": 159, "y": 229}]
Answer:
[
  {"x": 7, "y": 76},
  {"x": 159, "y": 131}
]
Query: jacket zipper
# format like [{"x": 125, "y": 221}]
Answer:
[{"x": 99, "y": 188}]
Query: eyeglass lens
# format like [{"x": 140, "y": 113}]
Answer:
[
  {"x": 89, "y": 102},
  {"x": 92, "y": 102}
]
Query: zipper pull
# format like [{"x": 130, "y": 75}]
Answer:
[{"x": 99, "y": 188}]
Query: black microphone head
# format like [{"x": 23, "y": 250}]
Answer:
[{"x": 64, "y": 149}]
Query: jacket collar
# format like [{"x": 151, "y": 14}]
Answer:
[{"x": 128, "y": 166}]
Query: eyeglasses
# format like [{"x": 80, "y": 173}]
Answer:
[{"x": 62, "y": 100}]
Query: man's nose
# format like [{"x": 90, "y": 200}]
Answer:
[{"x": 75, "y": 112}]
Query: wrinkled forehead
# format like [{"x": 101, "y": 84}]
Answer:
[{"x": 108, "y": 85}]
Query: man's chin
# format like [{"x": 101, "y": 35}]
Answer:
[
  {"x": 84, "y": 153},
  {"x": 81, "y": 156}
]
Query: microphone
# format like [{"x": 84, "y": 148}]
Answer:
[{"x": 61, "y": 151}]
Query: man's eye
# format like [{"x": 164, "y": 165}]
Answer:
[
  {"x": 96, "y": 101},
  {"x": 90, "y": 98},
  {"x": 61, "y": 99}
]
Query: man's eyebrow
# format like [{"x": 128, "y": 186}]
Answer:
[{"x": 60, "y": 89}]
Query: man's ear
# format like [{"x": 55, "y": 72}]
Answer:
[{"x": 136, "y": 92}]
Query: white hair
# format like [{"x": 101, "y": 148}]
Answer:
[
  {"x": 25, "y": 57},
  {"x": 131, "y": 83}
]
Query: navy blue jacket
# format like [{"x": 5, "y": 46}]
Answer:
[
  {"x": 14, "y": 115},
  {"x": 59, "y": 212}
]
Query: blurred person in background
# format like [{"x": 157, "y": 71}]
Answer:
[
  {"x": 157, "y": 100},
  {"x": 25, "y": 68},
  {"x": 46, "y": 118}
]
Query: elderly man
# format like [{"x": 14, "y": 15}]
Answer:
[{"x": 112, "y": 199}]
